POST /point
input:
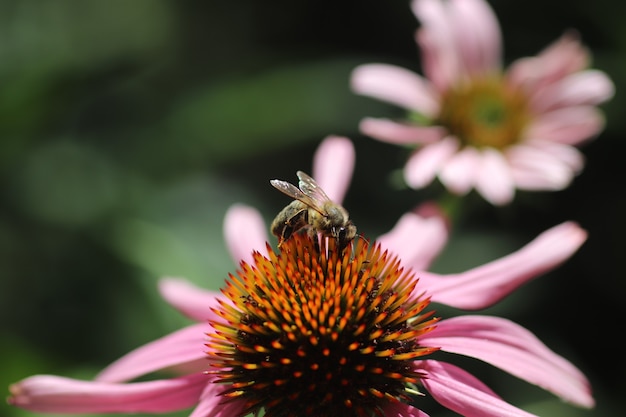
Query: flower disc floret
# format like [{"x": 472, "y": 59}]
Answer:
[
  {"x": 485, "y": 112},
  {"x": 315, "y": 330}
]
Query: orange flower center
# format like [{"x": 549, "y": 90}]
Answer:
[{"x": 320, "y": 331}]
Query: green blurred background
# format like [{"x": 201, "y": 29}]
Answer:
[{"x": 127, "y": 128}]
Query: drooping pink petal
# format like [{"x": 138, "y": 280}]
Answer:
[
  {"x": 437, "y": 42},
  {"x": 423, "y": 164},
  {"x": 232, "y": 409},
  {"x": 458, "y": 174},
  {"x": 192, "y": 301},
  {"x": 493, "y": 179},
  {"x": 462, "y": 393},
  {"x": 416, "y": 240},
  {"x": 485, "y": 285},
  {"x": 588, "y": 87},
  {"x": 244, "y": 232},
  {"x": 478, "y": 36},
  {"x": 333, "y": 164},
  {"x": 547, "y": 166},
  {"x": 561, "y": 58},
  {"x": 400, "y": 133},
  {"x": 396, "y": 85},
  {"x": 53, "y": 394},
  {"x": 211, "y": 404},
  {"x": 568, "y": 125},
  {"x": 399, "y": 409},
  {"x": 514, "y": 349},
  {"x": 180, "y": 347}
]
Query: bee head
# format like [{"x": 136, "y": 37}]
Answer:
[{"x": 345, "y": 233}]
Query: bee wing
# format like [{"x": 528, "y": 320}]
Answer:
[
  {"x": 310, "y": 187},
  {"x": 293, "y": 192}
]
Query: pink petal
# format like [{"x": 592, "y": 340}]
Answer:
[
  {"x": 333, "y": 164},
  {"x": 459, "y": 172},
  {"x": 514, "y": 349},
  {"x": 561, "y": 58},
  {"x": 462, "y": 393},
  {"x": 423, "y": 165},
  {"x": 398, "y": 409},
  {"x": 244, "y": 232},
  {"x": 485, "y": 285},
  {"x": 494, "y": 180},
  {"x": 183, "y": 346},
  {"x": 416, "y": 240},
  {"x": 566, "y": 154},
  {"x": 569, "y": 125},
  {"x": 440, "y": 57},
  {"x": 400, "y": 133},
  {"x": 211, "y": 404},
  {"x": 53, "y": 394},
  {"x": 233, "y": 409},
  {"x": 549, "y": 166},
  {"x": 582, "y": 88},
  {"x": 396, "y": 85},
  {"x": 192, "y": 301},
  {"x": 478, "y": 36}
]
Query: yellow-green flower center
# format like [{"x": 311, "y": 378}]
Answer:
[{"x": 484, "y": 113}]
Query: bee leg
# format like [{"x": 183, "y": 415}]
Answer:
[
  {"x": 292, "y": 225},
  {"x": 286, "y": 233},
  {"x": 315, "y": 237}
]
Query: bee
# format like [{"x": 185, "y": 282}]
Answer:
[{"x": 313, "y": 209}]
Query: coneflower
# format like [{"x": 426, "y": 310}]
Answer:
[
  {"x": 474, "y": 124},
  {"x": 374, "y": 302}
]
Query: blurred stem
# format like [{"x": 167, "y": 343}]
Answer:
[{"x": 451, "y": 205}]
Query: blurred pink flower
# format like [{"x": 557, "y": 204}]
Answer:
[
  {"x": 477, "y": 126},
  {"x": 416, "y": 238}
]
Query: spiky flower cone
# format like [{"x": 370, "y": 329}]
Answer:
[{"x": 319, "y": 331}]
